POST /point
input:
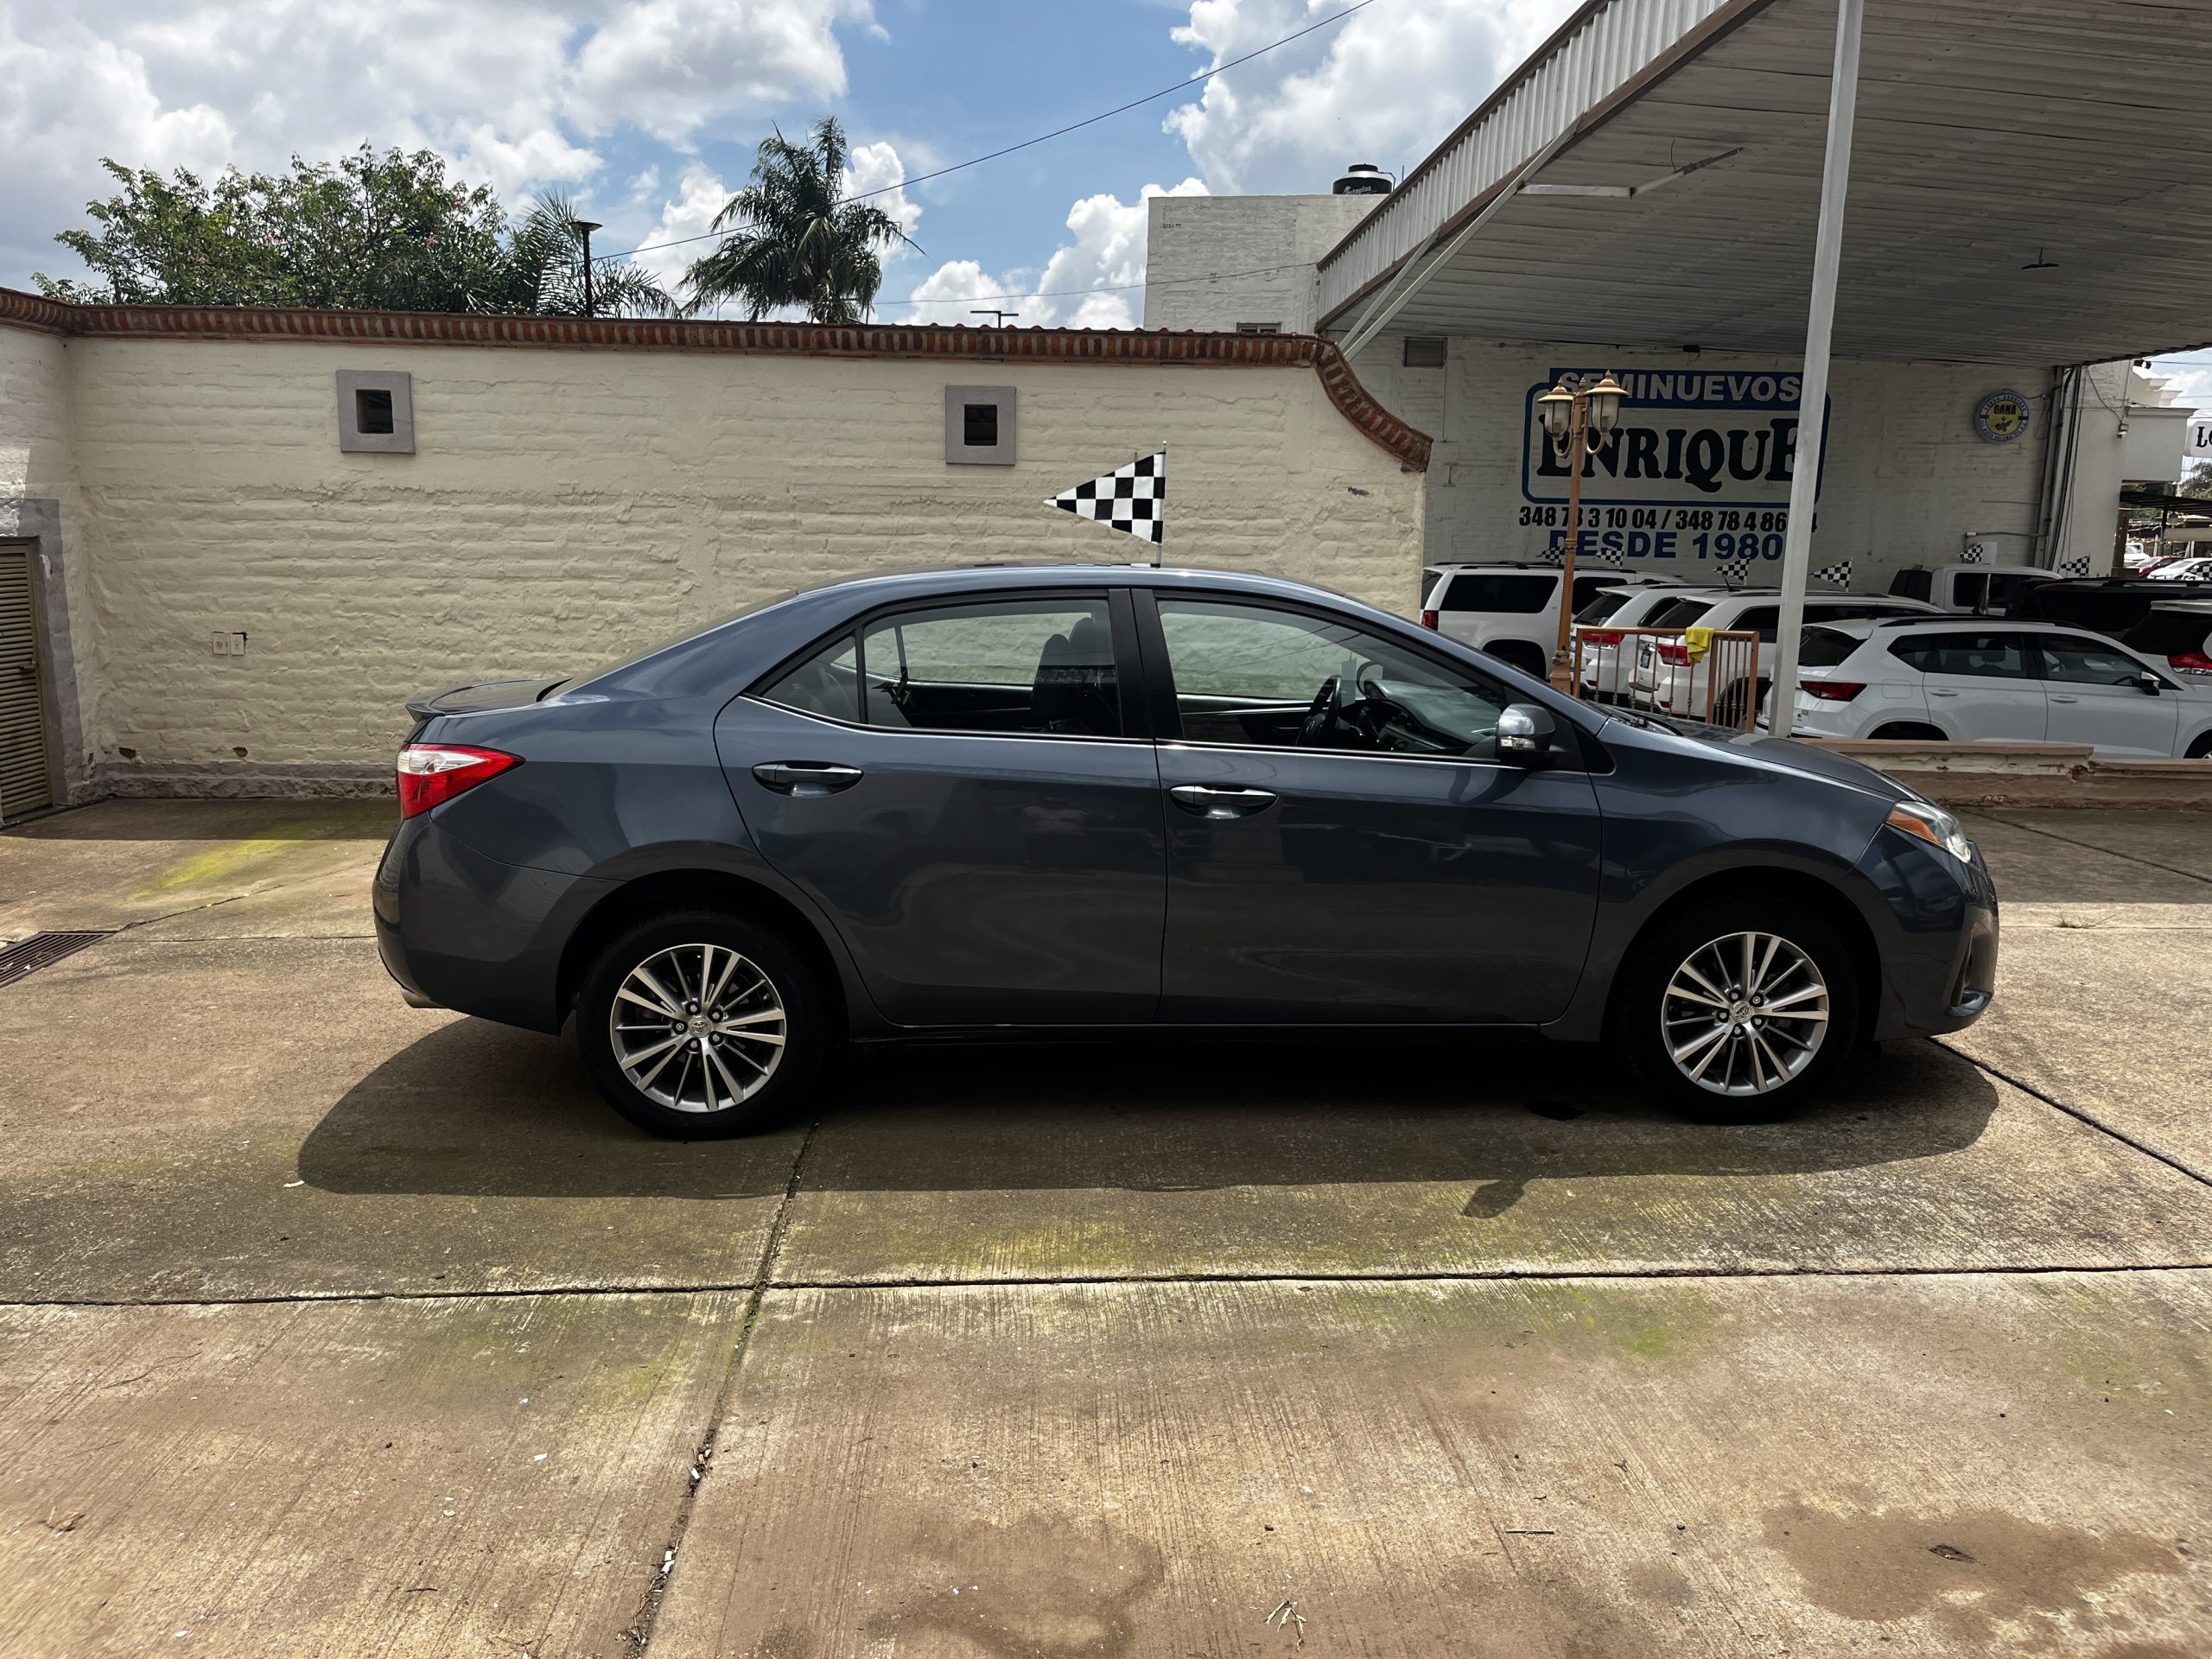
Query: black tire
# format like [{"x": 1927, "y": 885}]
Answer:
[
  {"x": 742, "y": 1051},
  {"x": 1911, "y": 731},
  {"x": 2201, "y": 749},
  {"x": 1642, "y": 1009}
]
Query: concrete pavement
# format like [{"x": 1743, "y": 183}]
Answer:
[{"x": 1143, "y": 1349}]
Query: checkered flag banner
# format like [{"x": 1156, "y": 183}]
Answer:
[
  {"x": 1972, "y": 555},
  {"x": 1733, "y": 570},
  {"x": 1556, "y": 556},
  {"x": 2076, "y": 567},
  {"x": 1132, "y": 498},
  {"x": 1837, "y": 575}
]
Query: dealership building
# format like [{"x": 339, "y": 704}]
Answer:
[
  {"x": 2027, "y": 207},
  {"x": 233, "y": 542}
]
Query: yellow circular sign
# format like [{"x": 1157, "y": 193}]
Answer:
[{"x": 2002, "y": 417}]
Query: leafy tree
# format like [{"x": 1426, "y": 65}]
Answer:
[
  {"x": 797, "y": 241},
  {"x": 385, "y": 233},
  {"x": 2196, "y": 481}
]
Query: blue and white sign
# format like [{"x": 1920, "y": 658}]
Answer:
[{"x": 1698, "y": 470}]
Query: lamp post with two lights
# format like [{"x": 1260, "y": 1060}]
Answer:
[{"x": 1577, "y": 423}]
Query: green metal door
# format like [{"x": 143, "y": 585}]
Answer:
[{"x": 26, "y": 785}]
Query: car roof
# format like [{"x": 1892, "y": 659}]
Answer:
[
  {"x": 1541, "y": 567},
  {"x": 1948, "y": 622}
]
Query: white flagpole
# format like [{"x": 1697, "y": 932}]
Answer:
[{"x": 1812, "y": 402}]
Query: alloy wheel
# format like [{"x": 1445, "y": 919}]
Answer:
[
  {"x": 1745, "y": 1014},
  {"x": 698, "y": 1028}
]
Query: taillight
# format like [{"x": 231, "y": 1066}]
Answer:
[
  {"x": 431, "y": 772},
  {"x": 1596, "y": 637},
  {"x": 2191, "y": 662},
  {"x": 1674, "y": 652},
  {"x": 1428, "y": 620},
  {"x": 1830, "y": 691}
]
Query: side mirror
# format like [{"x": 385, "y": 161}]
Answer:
[
  {"x": 1526, "y": 733},
  {"x": 2150, "y": 683}
]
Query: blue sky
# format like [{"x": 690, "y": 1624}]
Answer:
[{"x": 647, "y": 110}]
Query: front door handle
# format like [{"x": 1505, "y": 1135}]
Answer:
[
  {"x": 806, "y": 778},
  {"x": 2061, "y": 696},
  {"x": 1933, "y": 692},
  {"x": 1209, "y": 802}
]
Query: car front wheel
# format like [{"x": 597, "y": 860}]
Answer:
[
  {"x": 699, "y": 1024},
  {"x": 1738, "y": 1012}
]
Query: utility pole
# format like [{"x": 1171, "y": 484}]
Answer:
[{"x": 992, "y": 311}]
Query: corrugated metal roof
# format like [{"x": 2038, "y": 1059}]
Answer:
[{"x": 1989, "y": 132}]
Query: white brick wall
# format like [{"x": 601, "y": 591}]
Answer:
[
  {"x": 566, "y": 507},
  {"x": 1266, "y": 247}
]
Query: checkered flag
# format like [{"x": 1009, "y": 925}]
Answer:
[
  {"x": 1972, "y": 555},
  {"x": 1733, "y": 570},
  {"x": 1555, "y": 554},
  {"x": 1132, "y": 498},
  {"x": 2076, "y": 567},
  {"x": 1837, "y": 575}
]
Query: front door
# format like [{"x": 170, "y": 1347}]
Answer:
[
  {"x": 26, "y": 785},
  {"x": 2096, "y": 697},
  {"x": 953, "y": 785},
  {"x": 1343, "y": 843}
]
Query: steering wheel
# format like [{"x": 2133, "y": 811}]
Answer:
[{"x": 1320, "y": 714}]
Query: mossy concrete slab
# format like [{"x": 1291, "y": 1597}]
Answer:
[
  {"x": 2006, "y": 1464},
  {"x": 433, "y": 1477},
  {"x": 214, "y": 868},
  {"x": 1390, "y": 1157},
  {"x": 209, "y": 1119}
]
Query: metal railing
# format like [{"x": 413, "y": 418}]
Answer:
[{"x": 1714, "y": 678}]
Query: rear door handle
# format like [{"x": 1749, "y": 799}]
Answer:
[
  {"x": 1935, "y": 693},
  {"x": 1209, "y": 802},
  {"x": 806, "y": 778},
  {"x": 2061, "y": 696}
]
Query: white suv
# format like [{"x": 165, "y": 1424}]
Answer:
[
  {"x": 1666, "y": 679},
  {"x": 1511, "y": 611},
  {"x": 1607, "y": 656},
  {"x": 1959, "y": 680}
]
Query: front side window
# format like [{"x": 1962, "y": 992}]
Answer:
[
  {"x": 1975, "y": 655},
  {"x": 2074, "y": 661},
  {"x": 1042, "y": 665},
  {"x": 1248, "y": 674}
]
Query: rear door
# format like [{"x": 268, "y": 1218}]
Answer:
[
  {"x": 1978, "y": 685},
  {"x": 2096, "y": 696},
  {"x": 963, "y": 789},
  {"x": 1344, "y": 844}
]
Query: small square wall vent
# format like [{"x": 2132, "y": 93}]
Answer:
[{"x": 376, "y": 412}]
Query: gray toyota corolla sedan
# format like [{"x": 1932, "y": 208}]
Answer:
[{"x": 1070, "y": 798}]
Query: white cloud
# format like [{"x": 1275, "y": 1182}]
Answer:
[
  {"x": 1107, "y": 254},
  {"x": 514, "y": 93},
  {"x": 1384, "y": 86}
]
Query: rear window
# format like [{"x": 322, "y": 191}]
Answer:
[
  {"x": 2163, "y": 633},
  {"x": 1823, "y": 647},
  {"x": 1912, "y": 584},
  {"x": 1605, "y": 605},
  {"x": 1514, "y": 595},
  {"x": 1683, "y": 613}
]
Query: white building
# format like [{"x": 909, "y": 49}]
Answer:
[{"x": 1639, "y": 198}]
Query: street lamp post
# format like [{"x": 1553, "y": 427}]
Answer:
[
  {"x": 585, "y": 227},
  {"x": 1578, "y": 423}
]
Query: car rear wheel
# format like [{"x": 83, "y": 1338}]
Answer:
[
  {"x": 1738, "y": 1012},
  {"x": 2201, "y": 749},
  {"x": 1909, "y": 731},
  {"x": 699, "y": 1024}
]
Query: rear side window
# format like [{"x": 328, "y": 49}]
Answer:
[
  {"x": 1513, "y": 594},
  {"x": 1823, "y": 648},
  {"x": 1044, "y": 665},
  {"x": 1980, "y": 656},
  {"x": 1765, "y": 618},
  {"x": 1681, "y": 614},
  {"x": 1912, "y": 584},
  {"x": 1588, "y": 587},
  {"x": 828, "y": 683}
]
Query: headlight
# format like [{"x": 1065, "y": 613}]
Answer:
[{"x": 1933, "y": 825}]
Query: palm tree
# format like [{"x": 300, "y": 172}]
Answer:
[
  {"x": 797, "y": 242},
  {"x": 544, "y": 269}
]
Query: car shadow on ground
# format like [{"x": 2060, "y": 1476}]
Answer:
[
  {"x": 245, "y": 820},
  {"x": 484, "y": 1110}
]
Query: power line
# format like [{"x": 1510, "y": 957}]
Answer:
[{"x": 1058, "y": 133}]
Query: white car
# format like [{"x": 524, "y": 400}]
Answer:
[
  {"x": 1978, "y": 590},
  {"x": 2198, "y": 569},
  {"x": 1598, "y": 626},
  {"x": 1511, "y": 611},
  {"x": 1667, "y": 679},
  {"x": 1992, "y": 681}
]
